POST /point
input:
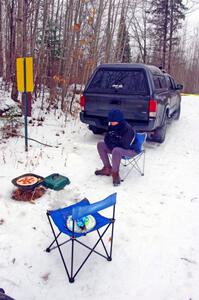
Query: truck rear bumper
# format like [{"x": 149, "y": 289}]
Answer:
[
  {"x": 94, "y": 121},
  {"x": 102, "y": 123}
]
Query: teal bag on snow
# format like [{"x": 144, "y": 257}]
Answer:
[{"x": 56, "y": 181}]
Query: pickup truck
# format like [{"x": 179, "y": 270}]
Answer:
[{"x": 147, "y": 96}]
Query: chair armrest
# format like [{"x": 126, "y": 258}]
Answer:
[{"x": 81, "y": 211}]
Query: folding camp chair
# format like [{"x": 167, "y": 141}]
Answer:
[
  {"x": 137, "y": 161},
  {"x": 77, "y": 221}
]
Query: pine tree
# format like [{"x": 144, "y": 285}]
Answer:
[{"x": 166, "y": 19}]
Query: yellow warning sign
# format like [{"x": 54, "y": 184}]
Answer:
[{"x": 25, "y": 74}]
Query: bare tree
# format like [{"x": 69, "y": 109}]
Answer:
[
  {"x": 3, "y": 37},
  {"x": 69, "y": 38}
]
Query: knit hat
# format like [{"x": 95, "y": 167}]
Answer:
[{"x": 115, "y": 115}]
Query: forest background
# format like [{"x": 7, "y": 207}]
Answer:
[{"x": 69, "y": 38}]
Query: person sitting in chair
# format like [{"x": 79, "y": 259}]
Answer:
[{"x": 119, "y": 142}]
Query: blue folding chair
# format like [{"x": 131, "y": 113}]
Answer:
[
  {"x": 77, "y": 221},
  {"x": 137, "y": 161}
]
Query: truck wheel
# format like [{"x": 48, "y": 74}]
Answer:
[
  {"x": 177, "y": 113},
  {"x": 96, "y": 130},
  {"x": 160, "y": 133}
]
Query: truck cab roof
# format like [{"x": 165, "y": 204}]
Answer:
[{"x": 153, "y": 69}]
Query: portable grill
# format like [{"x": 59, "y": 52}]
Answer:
[{"x": 28, "y": 187}]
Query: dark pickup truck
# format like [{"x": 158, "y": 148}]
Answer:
[{"x": 146, "y": 95}]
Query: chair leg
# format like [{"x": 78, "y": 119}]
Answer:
[
  {"x": 134, "y": 164},
  {"x": 92, "y": 250},
  {"x": 71, "y": 279},
  {"x": 112, "y": 232},
  {"x": 143, "y": 163},
  {"x": 138, "y": 169},
  {"x": 72, "y": 275},
  {"x": 58, "y": 246},
  {"x": 49, "y": 247},
  {"x": 108, "y": 256},
  {"x": 141, "y": 169}
]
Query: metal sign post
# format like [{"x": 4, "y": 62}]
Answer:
[
  {"x": 24, "y": 85},
  {"x": 25, "y": 107}
]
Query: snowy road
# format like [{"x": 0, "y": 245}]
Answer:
[{"x": 156, "y": 243}]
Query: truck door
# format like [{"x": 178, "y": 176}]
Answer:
[{"x": 173, "y": 94}]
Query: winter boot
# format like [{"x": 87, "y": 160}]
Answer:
[
  {"x": 116, "y": 178},
  {"x": 106, "y": 171}
]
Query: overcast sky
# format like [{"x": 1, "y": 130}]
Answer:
[{"x": 192, "y": 15}]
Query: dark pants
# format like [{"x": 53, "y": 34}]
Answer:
[{"x": 117, "y": 154}]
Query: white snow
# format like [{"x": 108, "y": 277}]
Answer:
[
  {"x": 156, "y": 241},
  {"x": 5, "y": 102}
]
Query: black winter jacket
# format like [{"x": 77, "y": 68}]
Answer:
[{"x": 121, "y": 135}]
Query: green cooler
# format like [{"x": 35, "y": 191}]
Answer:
[{"x": 56, "y": 181}]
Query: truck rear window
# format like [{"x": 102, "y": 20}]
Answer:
[{"x": 119, "y": 81}]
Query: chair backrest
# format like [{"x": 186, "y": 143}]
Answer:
[
  {"x": 140, "y": 138},
  {"x": 82, "y": 211}
]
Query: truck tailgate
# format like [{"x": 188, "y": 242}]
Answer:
[{"x": 134, "y": 107}]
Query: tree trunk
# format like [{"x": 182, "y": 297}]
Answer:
[
  {"x": 3, "y": 38},
  {"x": 170, "y": 36},
  {"x": 165, "y": 35}
]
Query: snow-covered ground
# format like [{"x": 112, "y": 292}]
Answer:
[{"x": 156, "y": 242}]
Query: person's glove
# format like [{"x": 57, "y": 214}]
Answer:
[{"x": 112, "y": 140}]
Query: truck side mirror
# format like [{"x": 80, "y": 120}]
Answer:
[{"x": 179, "y": 86}]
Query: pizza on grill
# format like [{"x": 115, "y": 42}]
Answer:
[{"x": 27, "y": 180}]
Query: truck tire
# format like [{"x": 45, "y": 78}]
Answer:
[
  {"x": 160, "y": 133},
  {"x": 96, "y": 130},
  {"x": 177, "y": 113}
]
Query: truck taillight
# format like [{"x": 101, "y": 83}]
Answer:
[
  {"x": 82, "y": 102},
  {"x": 152, "y": 108}
]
